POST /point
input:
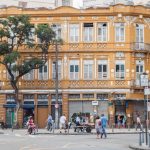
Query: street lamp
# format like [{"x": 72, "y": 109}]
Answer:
[
  {"x": 144, "y": 83},
  {"x": 56, "y": 86}
]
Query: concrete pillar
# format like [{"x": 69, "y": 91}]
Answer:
[{"x": 65, "y": 105}]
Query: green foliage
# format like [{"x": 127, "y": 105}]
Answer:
[{"x": 16, "y": 31}]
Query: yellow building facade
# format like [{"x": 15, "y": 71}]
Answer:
[{"x": 105, "y": 51}]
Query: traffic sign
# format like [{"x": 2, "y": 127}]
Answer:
[{"x": 56, "y": 105}]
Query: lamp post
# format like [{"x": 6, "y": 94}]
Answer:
[
  {"x": 56, "y": 86},
  {"x": 144, "y": 83}
]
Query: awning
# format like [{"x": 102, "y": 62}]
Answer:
[
  {"x": 9, "y": 105},
  {"x": 28, "y": 106}
]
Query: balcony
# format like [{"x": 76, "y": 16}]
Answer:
[
  {"x": 70, "y": 84},
  {"x": 142, "y": 47}
]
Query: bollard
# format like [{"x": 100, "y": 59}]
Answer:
[
  {"x": 112, "y": 128},
  {"x": 53, "y": 126},
  {"x": 128, "y": 127},
  {"x": 140, "y": 139},
  {"x": 68, "y": 127},
  {"x": 149, "y": 140},
  {"x": 142, "y": 136}
]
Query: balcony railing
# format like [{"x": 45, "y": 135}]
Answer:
[
  {"x": 140, "y": 46},
  {"x": 71, "y": 84},
  {"x": 136, "y": 84}
]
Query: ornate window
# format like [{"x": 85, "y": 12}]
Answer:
[
  {"x": 102, "y": 32},
  {"x": 43, "y": 72},
  {"x": 74, "y": 69},
  {"x": 119, "y": 32},
  {"x": 88, "y": 69},
  {"x": 120, "y": 69},
  {"x": 139, "y": 36},
  {"x": 42, "y": 99},
  {"x": 54, "y": 70},
  {"x": 102, "y": 69},
  {"x": 74, "y": 32},
  {"x": 88, "y": 32}
]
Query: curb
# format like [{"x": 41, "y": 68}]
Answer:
[
  {"x": 38, "y": 133},
  {"x": 135, "y": 147}
]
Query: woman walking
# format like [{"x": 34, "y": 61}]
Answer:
[{"x": 98, "y": 126}]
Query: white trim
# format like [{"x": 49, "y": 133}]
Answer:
[{"x": 69, "y": 91}]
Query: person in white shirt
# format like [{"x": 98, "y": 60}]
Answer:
[
  {"x": 62, "y": 123},
  {"x": 138, "y": 123}
]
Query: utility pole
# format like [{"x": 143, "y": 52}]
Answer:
[
  {"x": 56, "y": 87},
  {"x": 144, "y": 83}
]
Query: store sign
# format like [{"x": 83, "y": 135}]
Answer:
[{"x": 95, "y": 103}]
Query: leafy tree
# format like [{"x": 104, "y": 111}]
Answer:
[{"x": 16, "y": 32}]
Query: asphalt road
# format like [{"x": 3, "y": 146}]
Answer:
[{"x": 23, "y": 141}]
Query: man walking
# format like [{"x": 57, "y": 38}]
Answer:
[
  {"x": 103, "y": 124},
  {"x": 62, "y": 123},
  {"x": 49, "y": 122}
]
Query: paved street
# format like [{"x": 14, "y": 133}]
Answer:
[{"x": 19, "y": 140}]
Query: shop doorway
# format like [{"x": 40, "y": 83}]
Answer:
[
  {"x": 120, "y": 115},
  {"x": 10, "y": 117},
  {"x": 26, "y": 114}
]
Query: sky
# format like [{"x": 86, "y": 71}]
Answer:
[{"x": 78, "y": 3}]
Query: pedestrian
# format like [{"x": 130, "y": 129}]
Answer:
[
  {"x": 49, "y": 122},
  {"x": 103, "y": 125},
  {"x": 62, "y": 123},
  {"x": 119, "y": 121},
  {"x": 138, "y": 123},
  {"x": 98, "y": 126},
  {"x": 124, "y": 121},
  {"x": 78, "y": 123}
]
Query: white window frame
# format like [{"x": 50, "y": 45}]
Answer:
[
  {"x": 29, "y": 76},
  {"x": 140, "y": 36},
  {"x": 102, "y": 75},
  {"x": 65, "y": 2},
  {"x": 88, "y": 74},
  {"x": 54, "y": 70},
  {"x": 43, "y": 72},
  {"x": 74, "y": 75},
  {"x": 74, "y": 33},
  {"x": 103, "y": 30},
  {"x": 12, "y": 34},
  {"x": 58, "y": 30},
  {"x": 88, "y": 34},
  {"x": 119, "y": 32},
  {"x": 120, "y": 74},
  {"x": 140, "y": 66}
]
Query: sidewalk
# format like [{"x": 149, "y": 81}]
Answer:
[{"x": 71, "y": 131}]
